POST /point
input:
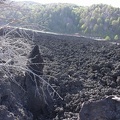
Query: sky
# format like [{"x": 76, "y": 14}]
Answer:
[{"x": 115, "y": 3}]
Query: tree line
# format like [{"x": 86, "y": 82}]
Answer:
[{"x": 97, "y": 20}]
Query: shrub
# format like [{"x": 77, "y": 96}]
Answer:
[
  {"x": 107, "y": 38},
  {"x": 116, "y": 37}
]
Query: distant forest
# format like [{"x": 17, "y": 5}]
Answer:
[{"x": 97, "y": 20}]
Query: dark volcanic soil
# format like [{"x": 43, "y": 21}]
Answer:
[
  {"x": 84, "y": 70},
  {"x": 79, "y": 69}
]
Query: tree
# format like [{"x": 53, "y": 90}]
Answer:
[
  {"x": 83, "y": 27},
  {"x": 115, "y": 22},
  {"x": 116, "y": 37},
  {"x": 99, "y": 20},
  {"x": 86, "y": 30},
  {"x": 95, "y": 29}
]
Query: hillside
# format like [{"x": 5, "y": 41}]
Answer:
[{"x": 100, "y": 20}]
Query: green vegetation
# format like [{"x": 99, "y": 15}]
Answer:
[
  {"x": 107, "y": 38},
  {"x": 97, "y": 20},
  {"x": 116, "y": 37}
]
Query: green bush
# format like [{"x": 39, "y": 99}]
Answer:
[
  {"x": 107, "y": 38},
  {"x": 116, "y": 37}
]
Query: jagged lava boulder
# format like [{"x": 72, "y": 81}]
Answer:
[
  {"x": 105, "y": 109},
  {"x": 11, "y": 102},
  {"x": 38, "y": 97}
]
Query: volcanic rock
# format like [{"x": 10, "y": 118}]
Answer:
[
  {"x": 38, "y": 98},
  {"x": 105, "y": 109}
]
